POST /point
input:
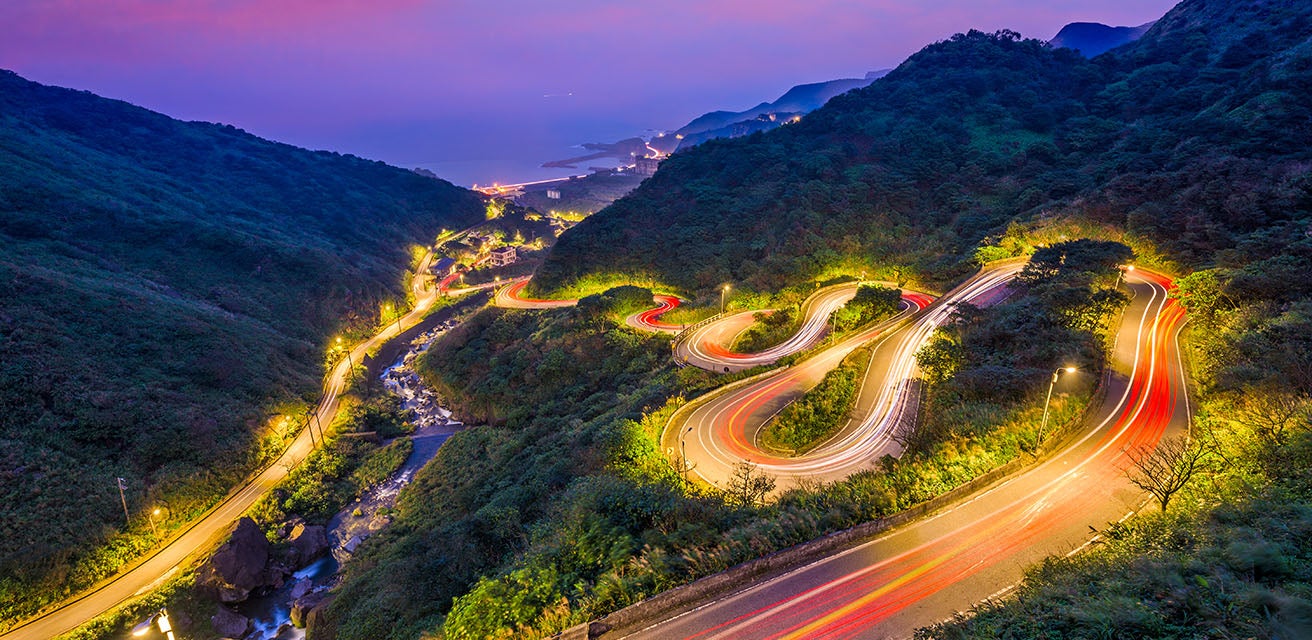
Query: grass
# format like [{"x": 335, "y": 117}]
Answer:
[{"x": 824, "y": 409}]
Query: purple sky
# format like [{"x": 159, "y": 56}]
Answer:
[{"x": 480, "y": 90}]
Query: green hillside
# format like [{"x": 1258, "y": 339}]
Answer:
[
  {"x": 1195, "y": 137},
  {"x": 166, "y": 289},
  {"x": 1191, "y": 144}
]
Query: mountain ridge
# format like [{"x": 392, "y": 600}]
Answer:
[
  {"x": 1094, "y": 38},
  {"x": 166, "y": 289}
]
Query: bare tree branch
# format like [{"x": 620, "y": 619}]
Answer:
[
  {"x": 747, "y": 486},
  {"x": 1165, "y": 470}
]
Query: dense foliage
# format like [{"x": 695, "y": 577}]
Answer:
[
  {"x": 343, "y": 469},
  {"x": 871, "y": 303},
  {"x": 166, "y": 290},
  {"x": 822, "y": 410},
  {"x": 768, "y": 329},
  {"x": 1195, "y": 137},
  {"x": 988, "y": 360},
  {"x": 561, "y": 389}
]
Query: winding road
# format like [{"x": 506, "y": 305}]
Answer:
[
  {"x": 705, "y": 346},
  {"x": 511, "y": 296},
  {"x": 209, "y": 530},
  {"x": 925, "y": 571},
  {"x": 717, "y": 433}
]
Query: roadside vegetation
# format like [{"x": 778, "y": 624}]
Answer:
[
  {"x": 820, "y": 412},
  {"x": 566, "y": 507},
  {"x": 769, "y": 329},
  {"x": 344, "y": 468},
  {"x": 871, "y": 303},
  {"x": 976, "y": 367}
]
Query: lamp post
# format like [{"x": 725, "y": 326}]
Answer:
[
  {"x": 1120, "y": 274},
  {"x": 160, "y": 619},
  {"x": 154, "y": 514},
  {"x": 723, "y": 292},
  {"x": 683, "y": 453},
  {"x": 388, "y": 309},
  {"x": 1055, "y": 374}
]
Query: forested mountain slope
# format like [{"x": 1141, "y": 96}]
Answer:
[
  {"x": 166, "y": 288},
  {"x": 1196, "y": 136}
]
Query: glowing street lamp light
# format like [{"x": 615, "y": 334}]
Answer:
[
  {"x": 1055, "y": 374},
  {"x": 723, "y": 292},
  {"x": 1120, "y": 274},
  {"x": 154, "y": 514},
  {"x": 387, "y": 308},
  {"x": 160, "y": 619}
]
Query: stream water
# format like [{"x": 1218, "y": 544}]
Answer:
[{"x": 270, "y": 614}]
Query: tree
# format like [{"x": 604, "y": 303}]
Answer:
[
  {"x": 747, "y": 486},
  {"x": 1202, "y": 293},
  {"x": 940, "y": 358},
  {"x": 1165, "y": 470},
  {"x": 1273, "y": 415}
]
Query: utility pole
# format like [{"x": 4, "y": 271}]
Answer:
[
  {"x": 122, "y": 485},
  {"x": 315, "y": 414}
]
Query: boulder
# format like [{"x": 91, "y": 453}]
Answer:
[
  {"x": 238, "y": 567},
  {"x": 229, "y": 623},
  {"x": 302, "y": 587},
  {"x": 317, "y": 623},
  {"x": 303, "y": 605},
  {"x": 308, "y": 543},
  {"x": 285, "y": 529}
]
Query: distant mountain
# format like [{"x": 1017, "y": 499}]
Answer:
[
  {"x": 798, "y": 100},
  {"x": 1092, "y": 38},
  {"x": 166, "y": 288}
]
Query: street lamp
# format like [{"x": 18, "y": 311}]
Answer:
[
  {"x": 1120, "y": 274},
  {"x": 723, "y": 292},
  {"x": 154, "y": 514},
  {"x": 388, "y": 308},
  {"x": 160, "y": 619},
  {"x": 683, "y": 453},
  {"x": 1055, "y": 374}
]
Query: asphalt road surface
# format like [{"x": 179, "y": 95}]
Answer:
[{"x": 923, "y": 572}]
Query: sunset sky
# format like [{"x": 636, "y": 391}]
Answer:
[{"x": 481, "y": 91}]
